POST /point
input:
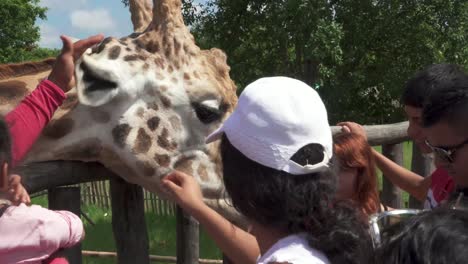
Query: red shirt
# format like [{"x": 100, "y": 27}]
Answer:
[
  {"x": 28, "y": 119},
  {"x": 441, "y": 187}
]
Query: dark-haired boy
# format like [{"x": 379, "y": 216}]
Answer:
[
  {"x": 445, "y": 120},
  {"x": 435, "y": 188}
]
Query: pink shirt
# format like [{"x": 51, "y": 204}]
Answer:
[
  {"x": 30, "y": 234},
  {"x": 28, "y": 119}
]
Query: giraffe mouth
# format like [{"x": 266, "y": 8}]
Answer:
[{"x": 94, "y": 81}]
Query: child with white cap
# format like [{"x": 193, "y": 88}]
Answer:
[{"x": 276, "y": 149}]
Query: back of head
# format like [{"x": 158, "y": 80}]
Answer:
[
  {"x": 276, "y": 150},
  {"x": 434, "y": 78},
  {"x": 353, "y": 152},
  {"x": 449, "y": 105},
  {"x": 5, "y": 142},
  {"x": 439, "y": 236}
]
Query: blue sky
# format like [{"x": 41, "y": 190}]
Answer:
[{"x": 82, "y": 18}]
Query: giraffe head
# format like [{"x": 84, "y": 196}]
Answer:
[{"x": 146, "y": 104}]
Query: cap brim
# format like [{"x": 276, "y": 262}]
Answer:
[{"x": 215, "y": 135}]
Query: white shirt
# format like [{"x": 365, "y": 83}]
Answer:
[{"x": 293, "y": 249}]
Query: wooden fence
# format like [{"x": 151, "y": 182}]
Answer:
[
  {"x": 98, "y": 193},
  {"x": 128, "y": 201}
]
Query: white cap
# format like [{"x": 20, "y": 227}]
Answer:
[{"x": 274, "y": 118}]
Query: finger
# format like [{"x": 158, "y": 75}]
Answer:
[
  {"x": 171, "y": 188},
  {"x": 4, "y": 177},
  {"x": 67, "y": 48},
  {"x": 82, "y": 45},
  {"x": 345, "y": 129},
  {"x": 14, "y": 180}
]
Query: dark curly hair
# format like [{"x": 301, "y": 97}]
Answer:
[
  {"x": 433, "y": 78},
  {"x": 439, "y": 236},
  {"x": 449, "y": 105},
  {"x": 296, "y": 203}
]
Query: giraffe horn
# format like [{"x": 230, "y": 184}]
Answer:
[
  {"x": 141, "y": 14},
  {"x": 167, "y": 12}
]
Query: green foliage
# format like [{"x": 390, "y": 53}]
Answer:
[
  {"x": 18, "y": 31},
  {"x": 357, "y": 53}
]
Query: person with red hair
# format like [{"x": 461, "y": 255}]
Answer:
[{"x": 357, "y": 180}]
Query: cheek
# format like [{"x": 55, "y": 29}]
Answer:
[{"x": 346, "y": 184}]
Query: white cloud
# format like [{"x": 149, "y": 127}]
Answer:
[
  {"x": 49, "y": 37},
  {"x": 63, "y": 4},
  {"x": 92, "y": 20}
]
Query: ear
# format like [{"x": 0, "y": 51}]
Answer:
[
  {"x": 4, "y": 177},
  {"x": 94, "y": 85}
]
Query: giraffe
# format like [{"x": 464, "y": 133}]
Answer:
[{"x": 143, "y": 104}]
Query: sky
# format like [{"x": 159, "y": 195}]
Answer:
[{"x": 83, "y": 18}]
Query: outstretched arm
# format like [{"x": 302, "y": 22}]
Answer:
[
  {"x": 28, "y": 119},
  {"x": 238, "y": 245},
  {"x": 414, "y": 184}
]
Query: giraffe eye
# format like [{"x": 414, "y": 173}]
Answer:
[{"x": 207, "y": 114}]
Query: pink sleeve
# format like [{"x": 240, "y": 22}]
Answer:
[
  {"x": 28, "y": 119},
  {"x": 63, "y": 230}
]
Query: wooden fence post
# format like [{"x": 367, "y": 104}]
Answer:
[
  {"x": 391, "y": 195},
  {"x": 67, "y": 198},
  {"x": 128, "y": 222},
  {"x": 187, "y": 238},
  {"x": 422, "y": 165}
]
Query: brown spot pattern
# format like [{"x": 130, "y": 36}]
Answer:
[
  {"x": 162, "y": 160},
  {"x": 12, "y": 90},
  {"x": 114, "y": 52},
  {"x": 165, "y": 101},
  {"x": 184, "y": 164},
  {"x": 153, "y": 123},
  {"x": 153, "y": 106},
  {"x": 120, "y": 134},
  {"x": 202, "y": 172},
  {"x": 160, "y": 62},
  {"x": 170, "y": 69},
  {"x": 186, "y": 76},
  {"x": 134, "y": 57},
  {"x": 143, "y": 142},
  {"x": 174, "y": 80},
  {"x": 59, "y": 128},
  {"x": 163, "y": 140}
]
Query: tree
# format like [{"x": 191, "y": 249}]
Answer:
[
  {"x": 18, "y": 31},
  {"x": 356, "y": 53}
]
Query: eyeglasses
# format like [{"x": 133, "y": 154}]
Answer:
[
  {"x": 446, "y": 153},
  {"x": 387, "y": 223}
]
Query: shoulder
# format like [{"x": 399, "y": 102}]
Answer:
[{"x": 294, "y": 250}]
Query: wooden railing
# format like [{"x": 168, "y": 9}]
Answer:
[{"x": 128, "y": 220}]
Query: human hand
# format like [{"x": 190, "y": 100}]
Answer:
[
  {"x": 184, "y": 190},
  {"x": 63, "y": 72},
  {"x": 17, "y": 194},
  {"x": 352, "y": 127}
]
